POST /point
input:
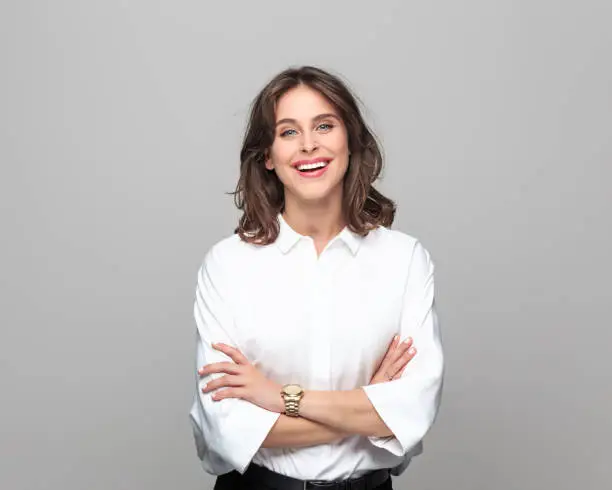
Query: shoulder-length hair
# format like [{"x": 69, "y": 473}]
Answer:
[{"x": 259, "y": 192}]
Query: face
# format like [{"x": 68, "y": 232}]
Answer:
[{"x": 310, "y": 149}]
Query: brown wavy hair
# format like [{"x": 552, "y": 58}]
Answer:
[{"x": 259, "y": 192}]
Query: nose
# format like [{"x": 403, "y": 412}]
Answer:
[{"x": 309, "y": 144}]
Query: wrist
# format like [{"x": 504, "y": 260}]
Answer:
[{"x": 291, "y": 395}]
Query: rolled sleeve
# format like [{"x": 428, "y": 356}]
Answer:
[
  {"x": 229, "y": 432},
  {"x": 409, "y": 405}
]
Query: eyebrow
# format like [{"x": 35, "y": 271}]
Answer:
[{"x": 314, "y": 119}]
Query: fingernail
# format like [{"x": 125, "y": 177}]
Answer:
[
  {"x": 395, "y": 338},
  {"x": 412, "y": 350}
]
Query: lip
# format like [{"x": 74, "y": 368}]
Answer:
[
  {"x": 315, "y": 173},
  {"x": 314, "y": 160}
]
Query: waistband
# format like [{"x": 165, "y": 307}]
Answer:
[{"x": 278, "y": 481}]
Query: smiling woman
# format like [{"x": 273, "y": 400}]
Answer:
[
  {"x": 304, "y": 117},
  {"x": 309, "y": 316},
  {"x": 311, "y": 144}
]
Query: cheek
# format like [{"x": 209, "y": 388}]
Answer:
[
  {"x": 338, "y": 142},
  {"x": 339, "y": 145},
  {"x": 281, "y": 156},
  {"x": 282, "y": 152}
]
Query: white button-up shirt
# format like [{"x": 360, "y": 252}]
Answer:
[{"x": 321, "y": 322}]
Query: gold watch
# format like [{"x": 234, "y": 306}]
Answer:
[{"x": 292, "y": 394}]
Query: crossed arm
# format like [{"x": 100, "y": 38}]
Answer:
[
  {"x": 327, "y": 416},
  {"x": 300, "y": 432},
  {"x": 252, "y": 415}
]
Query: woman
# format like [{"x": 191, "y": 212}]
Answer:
[{"x": 307, "y": 315}]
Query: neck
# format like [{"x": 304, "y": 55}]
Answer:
[{"x": 321, "y": 220}]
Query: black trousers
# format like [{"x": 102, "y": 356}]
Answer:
[{"x": 235, "y": 481}]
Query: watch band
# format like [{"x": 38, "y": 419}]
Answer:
[
  {"x": 292, "y": 394},
  {"x": 292, "y": 405}
]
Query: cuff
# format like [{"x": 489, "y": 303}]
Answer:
[
  {"x": 251, "y": 427},
  {"x": 390, "y": 414}
]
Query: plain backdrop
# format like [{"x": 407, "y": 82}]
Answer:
[{"x": 120, "y": 127}]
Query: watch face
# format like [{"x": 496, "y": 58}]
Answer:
[{"x": 293, "y": 389}]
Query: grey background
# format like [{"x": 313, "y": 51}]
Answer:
[{"x": 120, "y": 128}]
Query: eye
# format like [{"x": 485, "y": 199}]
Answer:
[
  {"x": 288, "y": 132},
  {"x": 326, "y": 126}
]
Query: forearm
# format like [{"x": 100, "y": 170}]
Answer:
[
  {"x": 300, "y": 432},
  {"x": 347, "y": 411}
]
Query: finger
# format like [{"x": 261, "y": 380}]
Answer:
[
  {"x": 228, "y": 393},
  {"x": 392, "y": 344},
  {"x": 233, "y": 352},
  {"x": 401, "y": 349},
  {"x": 395, "y": 354},
  {"x": 387, "y": 358},
  {"x": 227, "y": 380},
  {"x": 396, "y": 368},
  {"x": 400, "y": 364},
  {"x": 220, "y": 367}
]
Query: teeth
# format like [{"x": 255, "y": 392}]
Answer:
[{"x": 310, "y": 166}]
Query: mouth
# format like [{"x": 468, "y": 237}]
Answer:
[{"x": 312, "y": 168}]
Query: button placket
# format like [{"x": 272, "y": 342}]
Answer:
[
  {"x": 312, "y": 294},
  {"x": 323, "y": 302}
]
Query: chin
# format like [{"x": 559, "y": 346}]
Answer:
[
  {"x": 313, "y": 191},
  {"x": 314, "y": 195}
]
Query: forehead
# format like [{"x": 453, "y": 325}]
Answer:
[{"x": 303, "y": 103}]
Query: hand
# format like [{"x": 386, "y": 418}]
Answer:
[
  {"x": 244, "y": 381},
  {"x": 395, "y": 360}
]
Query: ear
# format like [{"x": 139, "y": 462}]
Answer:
[{"x": 268, "y": 161}]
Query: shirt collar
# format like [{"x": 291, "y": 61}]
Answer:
[{"x": 288, "y": 237}]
